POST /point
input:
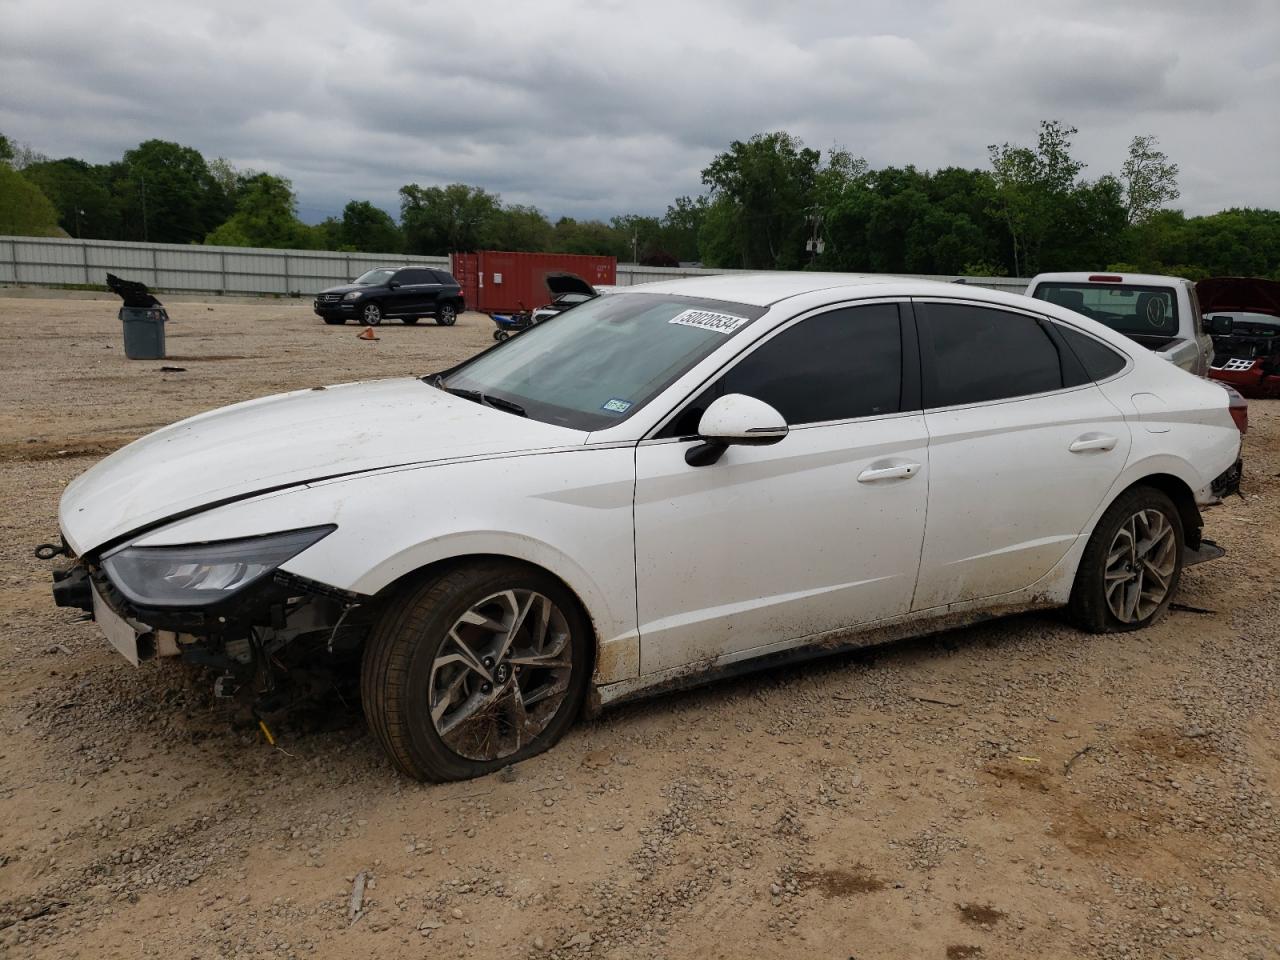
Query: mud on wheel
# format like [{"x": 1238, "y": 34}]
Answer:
[
  {"x": 1131, "y": 567},
  {"x": 471, "y": 670}
]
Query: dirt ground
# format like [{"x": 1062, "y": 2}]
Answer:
[{"x": 1006, "y": 791}]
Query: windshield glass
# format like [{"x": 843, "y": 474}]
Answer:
[
  {"x": 1125, "y": 308},
  {"x": 593, "y": 366},
  {"x": 374, "y": 277}
]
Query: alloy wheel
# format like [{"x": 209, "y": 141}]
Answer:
[
  {"x": 1140, "y": 565},
  {"x": 501, "y": 675},
  {"x": 371, "y": 315}
]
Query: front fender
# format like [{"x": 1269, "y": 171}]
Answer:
[{"x": 569, "y": 512}]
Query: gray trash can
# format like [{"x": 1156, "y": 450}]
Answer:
[{"x": 143, "y": 332}]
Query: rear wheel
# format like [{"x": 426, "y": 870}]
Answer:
[
  {"x": 448, "y": 315},
  {"x": 1132, "y": 565},
  {"x": 477, "y": 668},
  {"x": 500, "y": 335},
  {"x": 371, "y": 315}
]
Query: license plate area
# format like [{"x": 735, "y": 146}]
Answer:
[{"x": 120, "y": 633}]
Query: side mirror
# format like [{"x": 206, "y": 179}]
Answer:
[
  {"x": 735, "y": 419},
  {"x": 393, "y": 285},
  {"x": 1219, "y": 325}
]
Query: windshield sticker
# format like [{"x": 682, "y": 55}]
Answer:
[
  {"x": 616, "y": 405},
  {"x": 706, "y": 320}
]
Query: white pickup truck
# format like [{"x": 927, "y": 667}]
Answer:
[{"x": 1161, "y": 313}]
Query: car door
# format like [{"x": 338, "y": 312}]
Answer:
[
  {"x": 816, "y": 533},
  {"x": 1023, "y": 448}
]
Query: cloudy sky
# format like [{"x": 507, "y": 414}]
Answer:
[{"x": 594, "y": 107}]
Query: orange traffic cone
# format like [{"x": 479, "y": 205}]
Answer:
[{"x": 367, "y": 334}]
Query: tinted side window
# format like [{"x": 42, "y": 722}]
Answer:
[
  {"x": 974, "y": 354},
  {"x": 443, "y": 276},
  {"x": 835, "y": 366},
  {"x": 1099, "y": 360}
]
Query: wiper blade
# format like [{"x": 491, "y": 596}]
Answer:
[
  {"x": 497, "y": 403},
  {"x": 500, "y": 404}
]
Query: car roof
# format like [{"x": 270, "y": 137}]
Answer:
[{"x": 767, "y": 288}]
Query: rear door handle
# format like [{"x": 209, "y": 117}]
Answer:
[
  {"x": 1092, "y": 441},
  {"x": 892, "y": 471}
]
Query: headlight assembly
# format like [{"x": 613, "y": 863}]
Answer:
[
  {"x": 203, "y": 574},
  {"x": 353, "y": 295}
]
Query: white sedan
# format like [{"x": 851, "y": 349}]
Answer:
[{"x": 657, "y": 486}]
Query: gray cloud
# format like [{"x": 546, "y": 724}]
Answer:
[{"x": 591, "y": 108}]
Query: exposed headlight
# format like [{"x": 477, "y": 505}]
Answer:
[
  {"x": 202, "y": 574},
  {"x": 353, "y": 295}
]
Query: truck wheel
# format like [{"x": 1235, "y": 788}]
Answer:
[
  {"x": 447, "y": 316},
  {"x": 1131, "y": 566},
  {"x": 473, "y": 669},
  {"x": 371, "y": 315}
]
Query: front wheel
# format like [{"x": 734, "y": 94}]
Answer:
[
  {"x": 447, "y": 316},
  {"x": 371, "y": 315},
  {"x": 1131, "y": 566},
  {"x": 472, "y": 670}
]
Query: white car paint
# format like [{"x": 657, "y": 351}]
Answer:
[{"x": 677, "y": 566}]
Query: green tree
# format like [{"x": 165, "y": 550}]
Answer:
[
  {"x": 447, "y": 219},
  {"x": 6, "y": 150},
  {"x": 1031, "y": 189},
  {"x": 368, "y": 229},
  {"x": 24, "y": 210},
  {"x": 524, "y": 228},
  {"x": 266, "y": 216},
  {"x": 590, "y": 237},
  {"x": 767, "y": 186},
  {"x": 681, "y": 225},
  {"x": 178, "y": 198},
  {"x": 82, "y": 193},
  {"x": 1148, "y": 178}
]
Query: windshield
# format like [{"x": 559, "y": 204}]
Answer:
[
  {"x": 1125, "y": 308},
  {"x": 593, "y": 366},
  {"x": 374, "y": 278}
]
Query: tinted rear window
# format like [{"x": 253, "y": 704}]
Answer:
[
  {"x": 974, "y": 354},
  {"x": 1099, "y": 360},
  {"x": 1125, "y": 308}
]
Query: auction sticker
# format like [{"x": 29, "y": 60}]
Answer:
[
  {"x": 616, "y": 405},
  {"x": 707, "y": 320}
]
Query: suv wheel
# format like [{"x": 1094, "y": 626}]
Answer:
[
  {"x": 1131, "y": 566},
  {"x": 448, "y": 315},
  {"x": 371, "y": 315},
  {"x": 479, "y": 667}
]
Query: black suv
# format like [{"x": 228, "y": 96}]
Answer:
[{"x": 406, "y": 293}]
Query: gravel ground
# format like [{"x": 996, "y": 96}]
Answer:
[{"x": 1011, "y": 790}]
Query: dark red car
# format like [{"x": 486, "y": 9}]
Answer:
[{"x": 1242, "y": 314}]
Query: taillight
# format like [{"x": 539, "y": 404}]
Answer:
[
  {"x": 1105, "y": 278},
  {"x": 1238, "y": 407}
]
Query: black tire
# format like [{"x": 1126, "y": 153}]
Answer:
[
  {"x": 497, "y": 334},
  {"x": 335, "y": 321},
  {"x": 501, "y": 335},
  {"x": 448, "y": 315},
  {"x": 404, "y": 644},
  {"x": 411, "y": 320},
  {"x": 371, "y": 314},
  {"x": 1089, "y": 608}
]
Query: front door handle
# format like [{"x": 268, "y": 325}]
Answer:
[
  {"x": 1092, "y": 441},
  {"x": 891, "y": 471}
]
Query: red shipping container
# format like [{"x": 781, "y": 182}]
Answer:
[{"x": 496, "y": 281}]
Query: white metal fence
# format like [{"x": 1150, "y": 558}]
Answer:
[{"x": 178, "y": 268}]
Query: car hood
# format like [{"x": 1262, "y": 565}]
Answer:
[
  {"x": 346, "y": 288},
  {"x": 282, "y": 441},
  {"x": 1239, "y": 295},
  {"x": 559, "y": 283}
]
